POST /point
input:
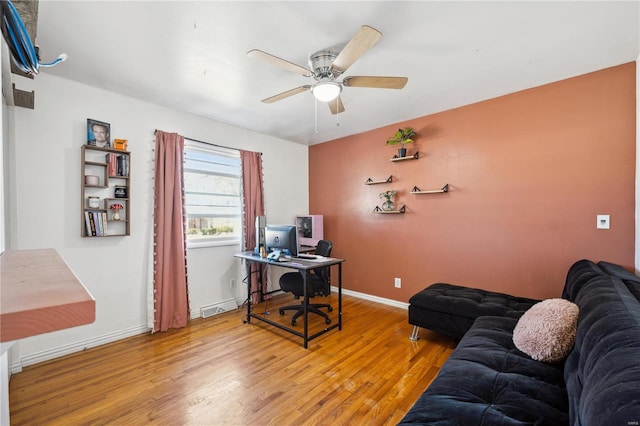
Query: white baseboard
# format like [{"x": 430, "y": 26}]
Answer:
[
  {"x": 371, "y": 298},
  {"x": 70, "y": 348}
]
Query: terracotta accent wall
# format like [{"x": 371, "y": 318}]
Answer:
[{"x": 528, "y": 173}]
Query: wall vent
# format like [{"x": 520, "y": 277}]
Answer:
[{"x": 218, "y": 308}]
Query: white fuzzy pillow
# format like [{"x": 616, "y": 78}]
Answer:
[{"x": 547, "y": 331}]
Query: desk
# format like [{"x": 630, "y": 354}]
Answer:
[
  {"x": 40, "y": 294},
  {"x": 303, "y": 266}
]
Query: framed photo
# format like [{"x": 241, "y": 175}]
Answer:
[{"x": 98, "y": 133}]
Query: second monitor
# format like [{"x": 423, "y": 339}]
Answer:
[{"x": 282, "y": 237}]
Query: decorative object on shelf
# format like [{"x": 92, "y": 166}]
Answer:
[
  {"x": 402, "y": 137},
  {"x": 410, "y": 157},
  {"x": 116, "y": 208},
  {"x": 120, "y": 192},
  {"x": 93, "y": 202},
  {"x": 378, "y": 210},
  {"x": 92, "y": 180},
  {"x": 120, "y": 144},
  {"x": 98, "y": 133},
  {"x": 417, "y": 190},
  {"x": 388, "y": 204},
  {"x": 375, "y": 182}
]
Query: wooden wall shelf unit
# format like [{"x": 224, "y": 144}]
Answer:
[
  {"x": 378, "y": 210},
  {"x": 417, "y": 190},
  {"x": 407, "y": 158},
  {"x": 376, "y": 182},
  {"x": 112, "y": 168}
]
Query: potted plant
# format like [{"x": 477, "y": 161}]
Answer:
[
  {"x": 402, "y": 137},
  {"x": 388, "y": 205}
]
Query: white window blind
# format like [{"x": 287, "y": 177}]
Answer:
[{"x": 213, "y": 201}]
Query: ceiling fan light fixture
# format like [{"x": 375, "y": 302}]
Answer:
[{"x": 326, "y": 91}]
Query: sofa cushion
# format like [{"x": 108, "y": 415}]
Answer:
[
  {"x": 618, "y": 271},
  {"x": 579, "y": 273},
  {"x": 487, "y": 381},
  {"x": 603, "y": 370},
  {"x": 631, "y": 280},
  {"x": 452, "y": 309},
  {"x": 547, "y": 331}
]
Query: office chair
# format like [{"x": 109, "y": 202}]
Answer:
[{"x": 318, "y": 284}]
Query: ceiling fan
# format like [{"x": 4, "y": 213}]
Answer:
[{"x": 326, "y": 65}]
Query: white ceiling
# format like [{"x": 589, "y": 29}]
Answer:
[{"x": 192, "y": 55}]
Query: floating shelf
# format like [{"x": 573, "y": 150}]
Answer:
[
  {"x": 417, "y": 190},
  {"x": 378, "y": 210},
  {"x": 408, "y": 157},
  {"x": 376, "y": 182}
]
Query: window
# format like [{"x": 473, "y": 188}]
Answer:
[{"x": 213, "y": 202}]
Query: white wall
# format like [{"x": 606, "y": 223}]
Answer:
[
  {"x": 45, "y": 190},
  {"x": 3, "y": 131},
  {"x": 638, "y": 165}
]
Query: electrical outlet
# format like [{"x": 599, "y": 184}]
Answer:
[
  {"x": 603, "y": 221},
  {"x": 232, "y": 283},
  {"x": 397, "y": 282}
]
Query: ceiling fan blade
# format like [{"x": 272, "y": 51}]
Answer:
[
  {"x": 283, "y": 95},
  {"x": 336, "y": 106},
  {"x": 289, "y": 66},
  {"x": 360, "y": 43},
  {"x": 376, "y": 82}
]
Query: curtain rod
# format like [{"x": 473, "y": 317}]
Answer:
[{"x": 206, "y": 143}]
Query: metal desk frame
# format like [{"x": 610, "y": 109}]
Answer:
[{"x": 300, "y": 265}]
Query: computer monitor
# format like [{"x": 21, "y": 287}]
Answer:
[{"x": 281, "y": 237}]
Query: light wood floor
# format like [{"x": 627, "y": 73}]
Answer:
[{"x": 219, "y": 371}]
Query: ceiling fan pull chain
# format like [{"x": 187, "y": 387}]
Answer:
[
  {"x": 316, "y": 116},
  {"x": 338, "y": 109}
]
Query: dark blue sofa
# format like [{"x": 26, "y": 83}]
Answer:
[{"x": 488, "y": 381}]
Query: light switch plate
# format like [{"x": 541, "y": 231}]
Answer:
[{"x": 603, "y": 221}]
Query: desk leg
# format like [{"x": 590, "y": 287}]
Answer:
[
  {"x": 249, "y": 278},
  {"x": 339, "y": 296},
  {"x": 305, "y": 304},
  {"x": 260, "y": 282}
]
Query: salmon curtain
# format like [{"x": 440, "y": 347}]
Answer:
[
  {"x": 253, "y": 200},
  {"x": 170, "y": 293}
]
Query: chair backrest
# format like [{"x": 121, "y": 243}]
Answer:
[{"x": 324, "y": 248}]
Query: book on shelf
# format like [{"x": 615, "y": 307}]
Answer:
[
  {"x": 88, "y": 220},
  {"x": 104, "y": 222},
  {"x": 96, "y": 223},
  {"x": 99, "y": 228},
  {"x": 91, "y": 225},
  {"x": 118, "y": 164},
  {"x": 122, "y": 165}
]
